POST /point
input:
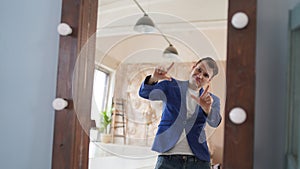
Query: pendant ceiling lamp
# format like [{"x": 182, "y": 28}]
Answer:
[
  {"x": 146, "y": 25},
  {"x": 170, "y": 51}
]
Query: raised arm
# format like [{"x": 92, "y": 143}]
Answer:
[
  {"x": 210, "y": 104},
  {"x": 214, "y": 118},
  {"x": 151, "y": 89}
]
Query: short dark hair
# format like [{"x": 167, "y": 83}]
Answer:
[{"x": 211, "y": 63}]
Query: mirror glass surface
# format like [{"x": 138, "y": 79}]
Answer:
[{"x": 122, "y": 60}]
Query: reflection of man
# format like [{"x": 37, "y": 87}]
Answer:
[{"x": 180, "y": 138}]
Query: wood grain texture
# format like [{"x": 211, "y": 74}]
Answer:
[
  {"x": 239, "y": 139},
  {"x": 70, "y": 142}
]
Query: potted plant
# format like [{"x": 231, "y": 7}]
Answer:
[{"x": 105, "y": 126}]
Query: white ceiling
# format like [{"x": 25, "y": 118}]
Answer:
[{"x": 194, "y": 27}]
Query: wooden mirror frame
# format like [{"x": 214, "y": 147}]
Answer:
[{"x": 71, "y": 143}]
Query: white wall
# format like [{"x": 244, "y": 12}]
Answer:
[
  {"x": 271, "y": 83},
  {"x": 28, "y": 68}
]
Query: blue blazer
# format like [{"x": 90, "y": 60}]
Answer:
[{"x": 174, "y": 117}]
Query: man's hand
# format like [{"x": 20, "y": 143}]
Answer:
[
  {"x": 205, "y": 101},
  {"x": 160, "y": 73}
]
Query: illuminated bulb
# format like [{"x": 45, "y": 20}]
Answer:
[
  {"x": 239, "y": 20},
  {"x": 237, "y": 115},
  {"x": 64, "y": 29},
  {"x": 59, "y": 104}
]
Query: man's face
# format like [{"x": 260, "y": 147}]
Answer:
[{"x": 201, "y": 75}]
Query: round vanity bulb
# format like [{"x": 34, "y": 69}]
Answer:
[
  {"x": 237, "y": 115},
  {"x": 59, "y": 104},
  {"x": 64, "y": 29},
  {"x": 239, "y": 20}
]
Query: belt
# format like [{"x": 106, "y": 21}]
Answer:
[{"x": 181, "y": 157}]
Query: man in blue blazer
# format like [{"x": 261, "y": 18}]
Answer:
[{"x": 180, "y": 139}]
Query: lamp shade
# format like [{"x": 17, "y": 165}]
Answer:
[
  {"x": 171, "y": 49},
  {"x": 170, "y": 52},
  {"x": 145, "y": 25}
]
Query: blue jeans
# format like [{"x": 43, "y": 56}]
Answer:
[{"x": 180, "y": 162}]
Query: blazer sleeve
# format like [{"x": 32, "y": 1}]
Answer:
[
  {"x": 214, "y": 118},
  {"x": 154, "y": 92}
]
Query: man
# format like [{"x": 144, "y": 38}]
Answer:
[{"x": 180, "y": 138}]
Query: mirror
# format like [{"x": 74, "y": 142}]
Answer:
[{"x": 124, "y": 58}]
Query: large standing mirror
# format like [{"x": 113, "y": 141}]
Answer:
[
  {"x": 116, "y": 53},
  {"x": 124, "y": 123}
]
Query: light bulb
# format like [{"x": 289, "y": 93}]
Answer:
[
  {"x": 237, "y": 115},
  {"x": 239, "y": 20},
  {"x": 59, "y": 104},
  {"x": 64, "y": 29}
]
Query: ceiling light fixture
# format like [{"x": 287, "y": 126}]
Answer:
[
  {"x": 170, "y": 51},
  {"x": 146, "y": 25}
]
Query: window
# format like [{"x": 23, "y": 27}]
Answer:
[{"x": 100, "y": 93}]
